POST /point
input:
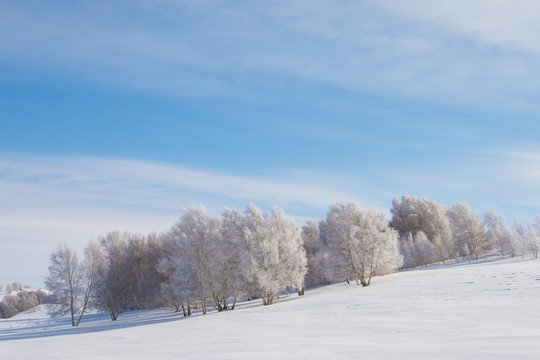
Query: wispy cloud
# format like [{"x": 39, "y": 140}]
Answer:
[
  {"x": 509, "y": 25},
  {"x": 520, "y": 164},
  {"x": 48, "y": 199},
  {"x": 90, "y": 195},
  {"x": 133, "y": 181},
  {"x": 473, "y": 54}
]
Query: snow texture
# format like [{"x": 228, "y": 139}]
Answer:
[{"x": 482, "y": 310}]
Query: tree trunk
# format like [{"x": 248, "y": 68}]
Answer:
[{"x": 71, "y": 307}]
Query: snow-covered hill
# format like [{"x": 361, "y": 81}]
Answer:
[{"x": 483, "y": 310}]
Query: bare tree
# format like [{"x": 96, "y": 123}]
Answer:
[
  {"x": 89, "y": 267},
  {"x": 66, "y": 281},
  {"x": 71, "y": 282}
]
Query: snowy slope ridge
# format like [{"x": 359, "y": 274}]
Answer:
[{"x": 482, "y": 310}]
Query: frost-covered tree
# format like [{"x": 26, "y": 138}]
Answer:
[
  {"x": 413, "y": 215},
  {"x": 405, "y": 244},
  {"x": 527, "y": 238},
  {"x": 114, "y": 279},
  {"x": 8, "y": 307},
  {"x": 315, "y": 254},
  {"x": 150, "y": 279},
  {"x": 418, "y": 250},
  {"x": 268, "y": 252},
  {"x": 71, "y": 282},
  {"x": 128, "y": 274},
  {"x": 535, "y": 237},
  {"x": 521, "y": 235},
  {"x": 196, "y": 237},
  {"x": 469, "y": 231},
  {"x": 260, "y": 255},
  {"x": 65, "y": 282},
  {"x": 361, "y": 242},
  {"x": 534, "y": 243},
  {"x": 13, "y": 304},
  {"x": 199, "y": 263},
  {"x": 291, "y": 255},
  {"x": 142, "y": 279},
  {"x": 92, "y": 259},
  {"x": 177, "y": 288},
  {"x": 230, "y": 281},
  {"x": 500, "y": 233},
  {"x": 275, "y": 258},
  {"x": 16, "y": 286},
  {"x": 238, "y": 236}
]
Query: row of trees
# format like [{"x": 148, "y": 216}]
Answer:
[
  {"x": 202, "y": 261},
  {"x": 430, "y": 233},
  {"x": 213, "y": 261},
  {"x": 21, "y": 301},
  {"x": 216, "y": 260},
  {"x": 427, "y": 233}
]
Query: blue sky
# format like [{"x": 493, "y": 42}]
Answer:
[{"x": 117, "y": 115}]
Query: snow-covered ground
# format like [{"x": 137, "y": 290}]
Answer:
[{"x": 483, "y": 310}]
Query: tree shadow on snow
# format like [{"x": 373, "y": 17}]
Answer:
[{"x": 39, "y": 328}]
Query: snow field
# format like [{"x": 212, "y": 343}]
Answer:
[{"x": 482, "y": 310}]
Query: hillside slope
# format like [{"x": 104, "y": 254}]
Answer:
[{"x": 484, "y": 310}]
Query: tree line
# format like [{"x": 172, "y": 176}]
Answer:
[
  {"x": 19, "y": 299},
  {"x": 214, "y": 261}
]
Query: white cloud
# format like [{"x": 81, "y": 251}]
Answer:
[
  {"x": 218, "y": 49},
  {"x": 511, "y": 25},
  {"x": 519, "y": 164},
  {"x": 139, "y": 182},
  {"x": 48, "y": 199}
]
